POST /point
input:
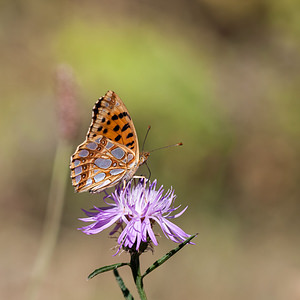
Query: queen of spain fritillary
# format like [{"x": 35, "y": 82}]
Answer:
[{"x": 110, "y": 153}]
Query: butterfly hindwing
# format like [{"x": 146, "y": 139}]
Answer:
[{"x": 100, "y": 163}]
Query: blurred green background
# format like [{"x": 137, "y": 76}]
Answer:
[{"x": 221, "y": 77}]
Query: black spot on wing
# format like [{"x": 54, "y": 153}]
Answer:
[
  {"x": 96, "y": 108},
  {"x": 96, "y": 112},
  {"x": 114, "y": 117},
  {"x": 117, "y": 128},
  {"x": 123, "y": 114},
  {"x": 118, "y": 138},
  {"x": 129, "y": 135},
  {"x": 105, "y": 131},
  {"x": 130, "y": 144},
  {"x": 125, "y": 127}
]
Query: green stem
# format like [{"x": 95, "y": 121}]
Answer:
[
  {"x": 136, "y": 273},
  {"x": 52, "y": 219}
]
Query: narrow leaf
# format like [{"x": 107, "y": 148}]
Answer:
[
  {"x": 106, "y": 268},
  {"x": 122, "y": 286},
  {"x": 167, "y": 256}
]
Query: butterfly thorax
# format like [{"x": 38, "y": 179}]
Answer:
[{"x": 143, "y": 157}]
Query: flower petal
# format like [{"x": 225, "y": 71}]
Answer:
[{"x": 136, "y": 208}]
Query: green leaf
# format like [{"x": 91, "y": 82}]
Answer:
[
  {"x": 122, "y": 286},
  {"x": 160, "y": 261},
  {"x": 106, "y": 268}
]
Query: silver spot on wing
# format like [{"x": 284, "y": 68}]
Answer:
[
  {"x": 116, "y": 171},
  {"x": 106, "y": 182},
  {"x": 109, "y": 145},
  {"x": 77, "y": 179},
  {"x": 99, "y": 177},
  {"x": 118, "y": 153},
  {"x": 83, "y": 153},
  {"x": 89, "y": 182},
  {"x": 76, "y": 162},
  {"x": 103, "y": 163},
  {"x": 78, "y": 170},
  {"x": 91, "y": 146}
]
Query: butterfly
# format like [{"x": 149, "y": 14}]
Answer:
[{"x": 110, "y": 153}]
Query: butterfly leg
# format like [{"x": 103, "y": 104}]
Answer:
[
  {"x": 141, "y": 177},
  {"x": 148, "y": 170},
  {"x": 124, "y": 184}
]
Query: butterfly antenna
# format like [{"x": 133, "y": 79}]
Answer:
[
  {"x": 148, "y": 170},
  {"x": 178, "y": 144},
  {"x": 149, "y": 127}
]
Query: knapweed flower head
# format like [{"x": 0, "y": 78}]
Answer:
[{"x": 134, "y": 209}]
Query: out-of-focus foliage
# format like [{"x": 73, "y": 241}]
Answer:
[{"x": 223, "y": 77}]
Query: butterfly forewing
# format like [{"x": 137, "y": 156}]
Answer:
[
  {"x": 110, "y": 151},
  {"x": 111, "y": 119}
]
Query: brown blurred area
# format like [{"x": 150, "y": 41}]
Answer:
[{"x": 223, "y": 77}]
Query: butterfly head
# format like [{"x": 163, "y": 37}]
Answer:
[{"x": 143, "y": 157}]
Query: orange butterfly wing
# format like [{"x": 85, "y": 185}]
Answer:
[{"x": 110, "y": 152}]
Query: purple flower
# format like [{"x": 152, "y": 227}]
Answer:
[{"x": 135, "y": 209}]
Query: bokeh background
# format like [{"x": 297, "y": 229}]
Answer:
[{"x": 223, "y": 77}]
